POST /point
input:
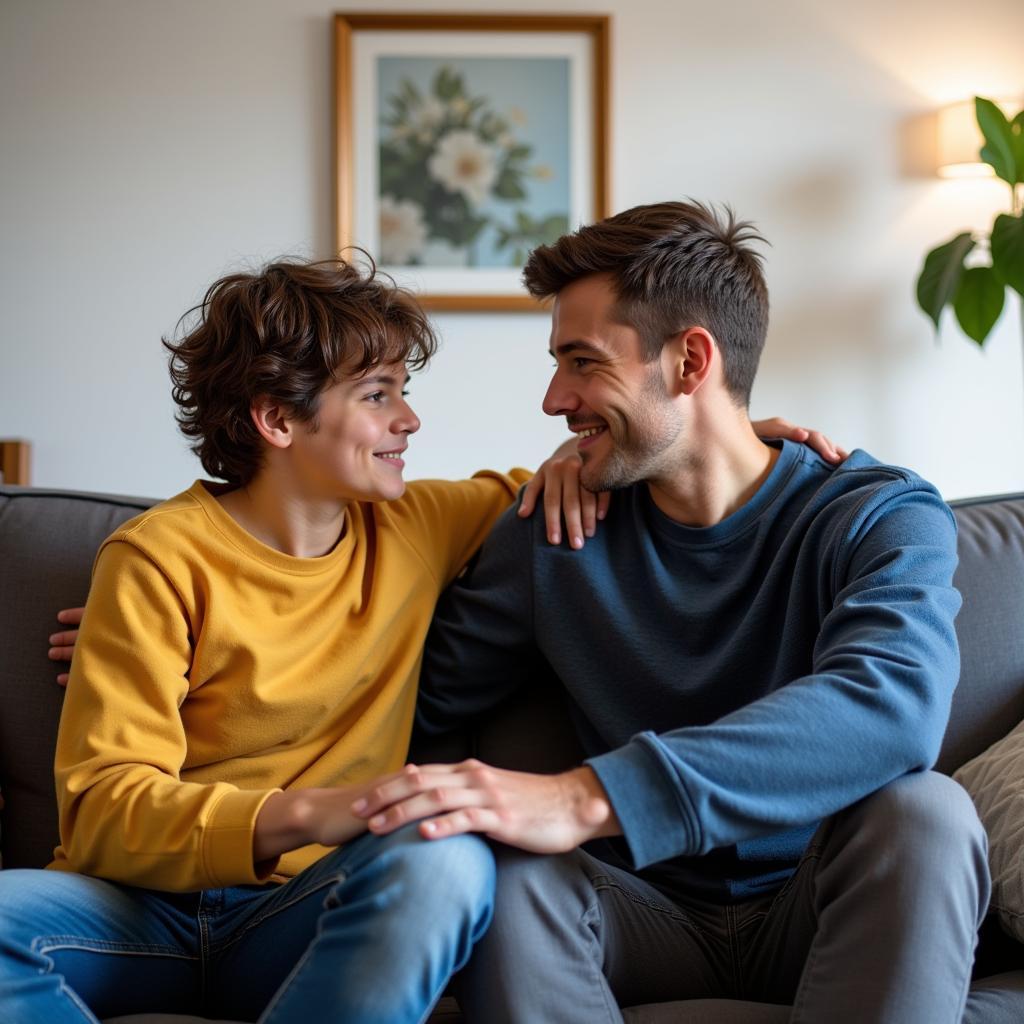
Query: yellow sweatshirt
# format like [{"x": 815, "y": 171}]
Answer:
[{"x": 212, "y": 671}]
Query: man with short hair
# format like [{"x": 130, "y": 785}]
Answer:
[{"x": 759, "y": 657}]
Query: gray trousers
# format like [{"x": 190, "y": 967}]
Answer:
[{"x": 877, "y": 924}]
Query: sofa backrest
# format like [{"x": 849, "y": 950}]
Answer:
[
  {"x": 48, "y": 540},
  {"x": 989, "y": 700},
  {"x": 47, "y": 543}
]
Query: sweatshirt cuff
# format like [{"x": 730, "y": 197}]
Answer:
[
  {"x": 228, "y": 836},
  {"x": 654, "y": 819}
]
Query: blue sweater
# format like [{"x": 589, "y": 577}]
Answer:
[{"x": 731, "y": 685}]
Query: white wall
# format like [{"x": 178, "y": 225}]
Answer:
[{"x": 147, "y": 146}]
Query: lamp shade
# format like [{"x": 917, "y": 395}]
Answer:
[{"x": 960, "y": 139}]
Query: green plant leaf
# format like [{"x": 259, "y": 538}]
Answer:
[
  {"x": 979, "y": 301},
  {"x": 940, "y": 276},
  {"x": 999, "y": 151},
  {"x": 1017, "y": 139},
  {"x": 1008, "y": 250}
]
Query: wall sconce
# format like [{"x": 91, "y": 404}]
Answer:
[{"x": 960, "y": 139}]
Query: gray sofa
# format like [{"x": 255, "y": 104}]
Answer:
[{"x": 47, "y": 542}]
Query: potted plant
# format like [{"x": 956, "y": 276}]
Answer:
[{"x": 977, "y": 291}]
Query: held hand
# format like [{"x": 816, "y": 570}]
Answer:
[
  {"x": 64, "y": 642},
  {"x": 296, "y": 818},
  {"x": 777, "y": 427},
  {"x": 559, "y": 479},
  {"x": 538, "y": 813}
]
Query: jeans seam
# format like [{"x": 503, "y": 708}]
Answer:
[
  {"x": 239, "y": 933},
  {"x": 801, "y": 991},
  {"x": 600, "y": 882},
  {"x": 587, "y": 919},
  {"x": 203, "y": 934},
  {"x": 48, "y": 943},
  {"x": 739, "y": 981},
  {"x": 284, "y": 986},
  {"x": 805, "y": 861}
]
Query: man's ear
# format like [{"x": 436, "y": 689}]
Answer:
[
  {"x": 692, "y": 356},
  {"x": 273, "y": 421}
]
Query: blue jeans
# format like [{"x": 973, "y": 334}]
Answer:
[{"x": 370, "y": 933}]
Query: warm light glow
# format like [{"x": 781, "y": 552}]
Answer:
[
  {"x": 978, "y": 170},
  {"x": 960, "y": 139}
]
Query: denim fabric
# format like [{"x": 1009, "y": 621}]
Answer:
[{"x": 370, "y": 933}]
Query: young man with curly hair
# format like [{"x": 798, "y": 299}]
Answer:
[{"x": 247, "y": 665}]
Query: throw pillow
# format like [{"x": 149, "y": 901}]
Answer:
[{"x": 995, "y": 781}]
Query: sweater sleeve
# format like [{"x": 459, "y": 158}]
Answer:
[
  {"x": 873, "y": 707},
  {"x": 481, "y": 646},
  {"x": 448, "y": 520},
  {"x": 124, "y": 812}
]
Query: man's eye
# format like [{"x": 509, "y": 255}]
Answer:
[
  {"x": 579, "y": 362},
  {"x": 377, "y": 396}
]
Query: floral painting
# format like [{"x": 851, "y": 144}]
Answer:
[{"x": 474, "y": 159}]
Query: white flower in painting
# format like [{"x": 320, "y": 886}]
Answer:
[
  {"x": 463, "y": 163},
  {"x": 402, "y": 231}
]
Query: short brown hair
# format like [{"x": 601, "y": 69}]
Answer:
[
  {"x": 287, "y": 331},
  {"x": 673, "y": 266}
]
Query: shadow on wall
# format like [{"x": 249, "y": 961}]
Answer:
[
  {"x": 918, "y": 145},
  {"x": 821, "y": 198},
  {"x": 839, "y": 353}
]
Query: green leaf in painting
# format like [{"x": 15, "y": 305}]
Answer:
[
  {"x": 940, "y": 276},
  {"x": 509, "y": 186},
  {"x": 447, "y": 84},
  {"x": 979, "y": 301},
  {"x": 410, "y": 93},
  {"x": 552, "y": 228},
  {"x": 998, "y": 150},
  {"x": 1008, "y": 250}
]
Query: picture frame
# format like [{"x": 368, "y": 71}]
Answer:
[{"x": 464, "y": 140}]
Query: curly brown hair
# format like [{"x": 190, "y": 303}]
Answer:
[
  {"x": 673, "y": 265},
  {"x": 286, "y": 332}
]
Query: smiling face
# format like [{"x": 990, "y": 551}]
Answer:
[
  {"x": 618, "y": 405},
  {"x": 353, "y": 450}
]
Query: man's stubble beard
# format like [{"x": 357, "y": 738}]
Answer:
[{"x": 638, "y": 440}]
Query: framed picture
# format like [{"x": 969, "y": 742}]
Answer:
[{"x": 465, "y": 140}]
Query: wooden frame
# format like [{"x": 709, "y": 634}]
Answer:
[
  {"x": 16, "y": 462},
  {"x": 360, "y": 45}
]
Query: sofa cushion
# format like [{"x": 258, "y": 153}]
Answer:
[
  {"x": 995, "y": 780},
  {"x": 48, "y": 540}
]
